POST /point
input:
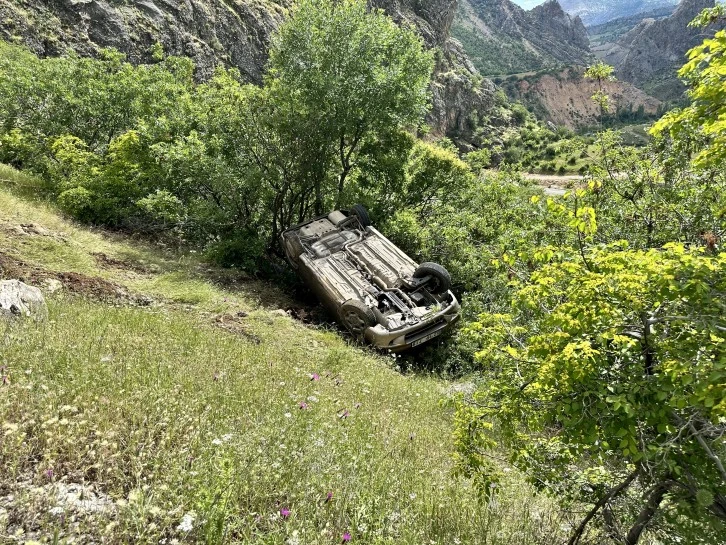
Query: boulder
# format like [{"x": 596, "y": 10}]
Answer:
[{"x": 18, "y": 299}]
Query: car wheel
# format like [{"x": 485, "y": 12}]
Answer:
[
  {"x": 440, "y": 277},
  {"x": 360, "y": 211},
  {"x": 293, "y": 248},
  {"x": 357, "y": 316}
]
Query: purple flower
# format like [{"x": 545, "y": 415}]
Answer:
[
  {"x": 48, "y": 473},
  {"x": 303, "y": 405},
  {"x": 314, "y": 376},
  {"x": 328, "y": 497},
  {"x": 284, "y": 512},
  {"x": 346, "y": 537},
  {"x": 344, "y": 415}
]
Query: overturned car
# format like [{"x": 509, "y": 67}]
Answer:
[{"x": 374, "y": 289}]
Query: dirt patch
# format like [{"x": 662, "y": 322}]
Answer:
[
  {"x": 234, "y": 323},
  {"x": 105, "y": 261},
  {"x": 76, "y": 283}
]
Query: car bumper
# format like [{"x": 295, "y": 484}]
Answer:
[{"x": 415, "y": 335}]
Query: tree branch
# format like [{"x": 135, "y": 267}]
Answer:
[{"x": 612, "y": 494}]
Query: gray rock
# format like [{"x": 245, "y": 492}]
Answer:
[{"x": 20, "y": 300}]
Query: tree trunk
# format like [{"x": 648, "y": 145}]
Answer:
[{"x": 647, "y": 513}]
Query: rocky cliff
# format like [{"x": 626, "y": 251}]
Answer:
[
  {"x": 502, "y": 38},
  {"x": 235, "y": 33},
  {"x": 597, "y": 13},
  {"x": 650, "y": 55}
]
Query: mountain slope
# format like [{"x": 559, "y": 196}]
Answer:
[
  {"x": 502, "y": 38},
  {"x": 606, "y": 34},
  {"x": 651, "y": 53},
  {"x": 120, "y": 421},
  {"x": 234, "y": 33},
  {"x": 597, "y": 13},
  {"x": 564, "y": 98}
]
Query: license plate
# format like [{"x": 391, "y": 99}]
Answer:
[{"x": 426, "y": 338}]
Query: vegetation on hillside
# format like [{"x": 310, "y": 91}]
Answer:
[{"x": 594, "y": 321}]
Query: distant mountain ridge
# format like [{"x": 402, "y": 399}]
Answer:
[
  {"x": 650, "y": 55},
  {"x": 597, "y": 13},
  {"x": 502, "y": 38}
]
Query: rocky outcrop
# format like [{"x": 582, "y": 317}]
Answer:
[
  {"x": 565, "y": 98},
  {"x": 234, "y": 33},
  {"x": 502, "y": 38},
  {"x": 17, "y": 300},
  {"x": 457, "y": 90},
  {"x": 650, "y": 55},
  {"x": 597, "y": 13}
]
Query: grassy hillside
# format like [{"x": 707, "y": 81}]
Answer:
[{"x": 164, "y": 401}]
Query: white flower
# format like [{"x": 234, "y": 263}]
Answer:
[
  {"x": 187, "y": 523},
  {"x": 313, "y": 399},
  {"x": 226, "y": 437},
  {"x": 412, "y": 495},
  {"x": 216, "y": 442},
  {"x": 288, "y": 415}
]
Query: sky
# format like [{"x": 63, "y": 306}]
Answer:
[{"x": 528, "y": 4}]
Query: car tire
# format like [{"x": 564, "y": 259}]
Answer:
[
  {"x": 357, "y": 317},
  {"x": 360, "y": 211},
  {"x": 440, "y": 277},
  {"x": 293, "y": 248}
]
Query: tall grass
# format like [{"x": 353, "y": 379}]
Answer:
[{"x": 151, "y": 425}]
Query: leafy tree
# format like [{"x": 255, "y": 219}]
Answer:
[
  {"x": 618, "y": 379},
  {"x": 701, "y": 127},
  {"x": 345, "y": 75}
]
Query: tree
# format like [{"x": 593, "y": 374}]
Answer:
[
  {"x": 344, "y": 75},
  {"x": 614, "y": 392},
  {"x": 606, "y": 376}
]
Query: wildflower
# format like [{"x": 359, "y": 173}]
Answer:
[
  {"x": 313, "y": 399},
  {"x": 284, "y": 512},
  {"x": 344, "y": 415},
  {"x": 346, "y": 537},
  {"x": 288, "y": 415},
  {"x": 48, "y": 473},
  {"x": 187, "y": 523},
  {"x": 412, "y": 495},
  {"x": 216, "y": 442},
  {"x": 328, "y": 497},
  {"x": 215, "y": 377},
  {"x": 314, "y": 376},
  {"x": 303, "y": 405},
  {"x": 6, "y": 379},
  {"x": 357, "y": 406}
]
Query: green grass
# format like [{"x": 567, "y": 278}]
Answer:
[{"x": 155, "y": 413}]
